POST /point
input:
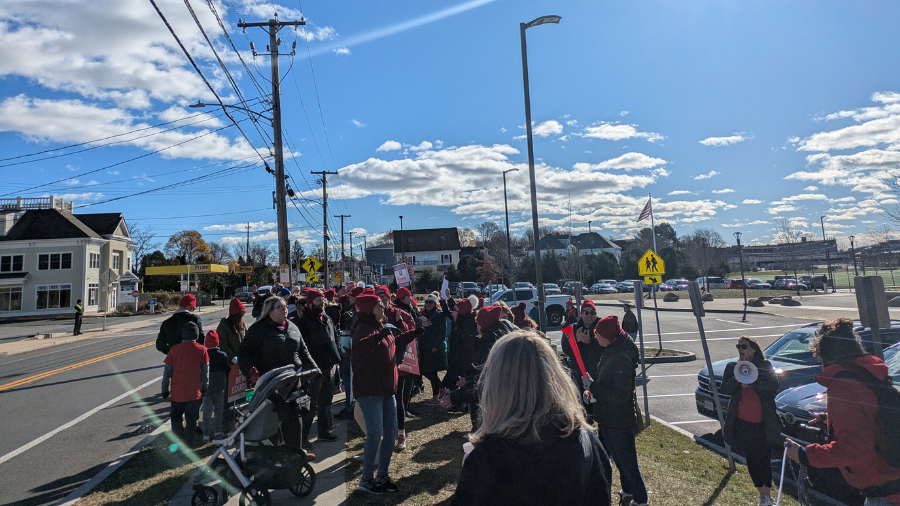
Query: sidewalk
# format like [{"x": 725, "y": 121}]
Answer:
[{"x": 18, "y": 338}]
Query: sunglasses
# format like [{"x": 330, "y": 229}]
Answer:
[
  {"x": 742, "y": 346},
  {"x": 588, "y": 311}
]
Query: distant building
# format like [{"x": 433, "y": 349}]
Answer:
[
  {"x": 51, "y": 257},
  {"x": 380, "y": 261},
  {"x": 801, "y": 255},
  {"x": 437, "y": 248},
  {"x": 583, "y": 244}
]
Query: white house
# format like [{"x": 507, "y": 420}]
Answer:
[
  {"x": 434, "y": 247},
  {"x": 585, "y": 244},
  {"x": 51, "y": 257}
]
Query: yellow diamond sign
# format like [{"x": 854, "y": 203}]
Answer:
[
  {"x": 311, "y": 265},
  {"x": 651, "y": 265}
]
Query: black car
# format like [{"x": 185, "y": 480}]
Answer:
[
  {"x": 467, "y": 288},
  {"x": 246, "y": 297},
  {"x": 794, "y": 364}
]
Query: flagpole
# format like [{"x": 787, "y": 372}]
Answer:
[
  {"x": 652, "y": 223},
  {"x": 655, "y": 307}
]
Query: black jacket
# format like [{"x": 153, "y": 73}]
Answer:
[
  {"x": 613, "y": 385},
  {"x": 766, "y": 386},
  {"x": 320, "y": 338},
  {"x": 468, "y": 393},
  {"x": 590, "y": 354},
  {"x": 630, "y": 322},
  {"x": 170, "y": 330},
  {"x": 463, "y": 335},
  {"x": 572, "y": 471},
  {"x": 266, "y": 347}
]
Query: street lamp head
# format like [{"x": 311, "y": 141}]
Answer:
[
  {"x": 738, "y": 234},
  {"x": 511, "y": 170},
  {"x": 198, "y": 105},
  {"x": 543, "y": 20}
]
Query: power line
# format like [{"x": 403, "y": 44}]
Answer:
[{"x": 321, "y": 115}]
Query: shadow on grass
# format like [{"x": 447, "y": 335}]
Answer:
[{"x": 719, "y": 488}]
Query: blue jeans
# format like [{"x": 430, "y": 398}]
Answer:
[
  {"x": 213, "y": 409},
  {"x": 380, "y": 415},
  {"x": 619, "y": 445}
]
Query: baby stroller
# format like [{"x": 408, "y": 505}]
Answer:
[{"x": 252, "y": 459}]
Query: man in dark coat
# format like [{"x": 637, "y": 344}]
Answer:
[
  {"x": 171, "y": 329},
  {"x": 588, "y": 347},
  {"x": 463, "y": 334},
  {"x": 629, "y": 321},
  {"x": 318, "y": 332}
]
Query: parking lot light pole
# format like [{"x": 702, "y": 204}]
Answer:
[
  {"x": 853, "y": 254},
  {"x": 827, "y": 256},
  {"x": 542, "y": 318},
  {"x": 508, "y": 242},
  {"x": 737, "y": 236}
]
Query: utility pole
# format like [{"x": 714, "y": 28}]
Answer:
[
  {"x": 350, "y": 274},
  {"x": 248, "y": 245},
  {"x": 324, "y": 182},
  {"x": 343, "y": 251},
  {"x": 272, "y": 27}
]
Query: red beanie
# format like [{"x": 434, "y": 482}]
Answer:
[
  {"x": 329, "y": 294},
  {"x": 403, "y": 292},
  {"x": 236, "y": 307},
  {"x": 480, "y": 302},
  {"x": 188, "y": 301},
  {"x": 366, "y": 303},
  {"x": 588, "y": 303},
  {"x": 488, "y": 316},
  {"x": 463, "y": 307},
  {"x": 312, "y": 295},
  {"x": 368, "y": 291},
  {"x": 609, "y": 328},
  {"x": 212, "y": 339},
  {"x": 383, "y": 290},
  {"x": 356, "y": 292}
]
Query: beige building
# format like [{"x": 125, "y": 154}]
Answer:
[{"x": 50, "y": 257}]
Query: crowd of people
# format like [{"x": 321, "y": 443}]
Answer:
[{"x": 528, "y": 407}]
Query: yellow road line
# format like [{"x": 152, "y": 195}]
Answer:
[{"x": 36, "y": 377}]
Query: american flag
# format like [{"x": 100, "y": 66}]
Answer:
[{"x": 646, "y": 212}]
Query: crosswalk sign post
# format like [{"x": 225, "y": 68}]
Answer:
[
  {"x": 651, "y": 265},
  {"x": 311, "y": 265}
]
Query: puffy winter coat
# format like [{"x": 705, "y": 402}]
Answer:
[
  {"x": 630, "y": 322},
  {"x": 766, "y": 386},
  {"x": 613, "y": 385},
  {"x": 571, "y": 470},
  {"x": 590, "y": 353},
  {"x": 373, "y": 357},
  {"x": 320, "y": 337},
  {"x": 852, "y": 407},
  {"x": 463, "y": 335},
  {"x": 434, "y": 349},
  {"x": 468, "y": 393},
  {"x": 268, "y": 345},
  {"x": 170, "y": 330},
  {"x": 229, "y": 340}
]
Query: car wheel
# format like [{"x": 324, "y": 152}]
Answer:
[{"x": 555, "y": 317}]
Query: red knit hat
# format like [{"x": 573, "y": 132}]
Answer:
[
  {"x": 383, "y": 290},
  {"x": 480, "y": 303},
  {"x": 329, "y": 294},
  {"x": 463, "y": 307},
  {"x": 212, "y": 339},
  {"x": 403, "y": 292},
  {"x": 368, "y": 291},
  {"x": 488, "y": 316},
  {"x": 609, "y": 328},
  {"x": 366, "y": 303},
  {"x": 588, "y": 303},
  {"x": 356, "y": 292},
  {"x": 188, "y": 301},
  {"x": 312, "y": 295},
  {"x": 236, "y": 307}
]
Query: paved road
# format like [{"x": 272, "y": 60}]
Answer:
[{"x": 96, "y": 428}]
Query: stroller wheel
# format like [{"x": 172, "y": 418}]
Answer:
[
  {"x": 205, "y": 496},
  {"x": 304, "y": 481},
  {"x": 253, "y": 495}
]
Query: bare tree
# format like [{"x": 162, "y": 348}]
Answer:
[
  {"x": 262, "y": 253},
  {"x": 466, "y": 237},
  {"x": 218, "y": 253},
  {"x": 143, "y": 241},
  {"x": 701, "y": 248},
  {"x": 789, "y": 233},
  {"x": 380, "y": 239}
]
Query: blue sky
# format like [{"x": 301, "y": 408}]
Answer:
[{"x": 734, "y": 115}]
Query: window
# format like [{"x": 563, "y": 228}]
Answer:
[
  {"x": 116, "y": 261},
  {"x": 53, "y": 261},
  {"x": 54, "y": 296},
  {"x": 10, "y": 299},
  {"x": 11, "y": 263},
  {"x": 447, "y": 259},
  {"x": 95, "y": 260},
  {"x": 93, "y": 290}
]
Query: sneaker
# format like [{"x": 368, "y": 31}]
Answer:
[
  {"x": 307, "y": 445},
  {"x": 329, "y": 437},
  {"x": 401, "y": 444},
  {"x": 766, "y": 501},
  {"x": 370, "y": 487},
  {"x": 387, "y": 484}
]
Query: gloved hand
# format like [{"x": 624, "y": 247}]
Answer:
[
  {"x": 234, "y": 360},
  {"x": 587, "y": 397},
  {"x": 586, "y": 381},
  {"x": 165, "y": 394}
]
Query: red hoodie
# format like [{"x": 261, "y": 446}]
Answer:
[{"x": 851, "y": 416}]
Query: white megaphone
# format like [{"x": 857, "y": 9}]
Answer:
[{"x": 746, "y": 372}]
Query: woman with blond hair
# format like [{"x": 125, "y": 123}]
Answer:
[{"x": 534, "y": 446}]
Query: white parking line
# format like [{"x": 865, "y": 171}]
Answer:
[
  {"x": 715, "y": 339},
  {"x": 736, "y": 323},
  {"x": 688, "y": 422},
  {"x": 671, "y": 375},
  {"x": 669, "y": 395},
  {"x": 742, "y": 329}
]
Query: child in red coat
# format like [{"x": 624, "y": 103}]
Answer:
[{"x": 187, "y": 369}]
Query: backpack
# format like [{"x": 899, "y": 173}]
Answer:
[{"x": 887, "y": 445}]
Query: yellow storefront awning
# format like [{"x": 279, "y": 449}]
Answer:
[{"x": 187, "y": 269}]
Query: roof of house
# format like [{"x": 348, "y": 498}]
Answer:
[
  {"x": 554, "y": 241},
  {"x": 40, "y": 224},
  {"x": 593, "y": 240},
  {"x": 429, "y": 239}
]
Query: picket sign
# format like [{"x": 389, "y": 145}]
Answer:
[
  {"x": 410, "y": 362},
  {"x": 237, "y": 384}
]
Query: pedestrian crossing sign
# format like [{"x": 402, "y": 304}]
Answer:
[
  {"x": 652, "y": 280},
  {"x": 312, "y": 278},
  {"x": 651, "y": 265}
]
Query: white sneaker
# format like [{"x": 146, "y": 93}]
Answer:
[{"x": 766, "y": 501}]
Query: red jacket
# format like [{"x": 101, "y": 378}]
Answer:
[
  {"x": 851, "y": 418},
  {"x": 373, "y": 356}
]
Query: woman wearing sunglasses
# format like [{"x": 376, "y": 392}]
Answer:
[{"x": 751, "y": 425}]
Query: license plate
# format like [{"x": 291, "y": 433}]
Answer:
[{"x": 708, "y": 405}]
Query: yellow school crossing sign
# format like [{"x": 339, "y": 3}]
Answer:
[
  {"x": 652, "y": 280},
  {"x": 651, "y": 265},
  {"x": 311, "y": 265}
]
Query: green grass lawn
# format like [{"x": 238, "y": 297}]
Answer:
[{"x": 843, "y": 278}]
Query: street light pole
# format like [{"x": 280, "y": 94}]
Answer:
[
  {"x": 508, "y": 242},
  {"x": 402, "y": 247},
  {"x": 737, "y": 235},
  {"x": 853, "y": 253},
  {"x": 827, "y": 256},
  {"x": 542, "y": 318}
]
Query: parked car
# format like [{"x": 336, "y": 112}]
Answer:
[
  {"x": 793, "y": 362},
  {"x": 779, "y": 277},
  {"x": 551, "y": 289},
  {"x": 737, "y": 283},
  {"x": 608, "y": 281},
  {"x": 554, "y": 305},
  {"x": 492, "y": 289},
  {"x": 814, "y": 282},
  {"x": 246, "y": 297},
  {"x": 467, "y": 288},
  {"x": 711, "y": 283},
  {"x": 452, "y": 286},
  {"x": 569, "y": 288},
  {"x": 524, "y": 284},
  {"x": 263, "y": 290},
  {"x": 603, "y": 288},
  {"x": 677, "y": 284},
  {"x": 480, "y": 287},
  {"x": 757, "y": 284},
  {"x": 625, "y": 286},
  {"x": 789, "y": 284}
]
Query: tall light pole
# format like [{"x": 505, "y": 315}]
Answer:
[
  {"x": 508, "y": 242},
  {"x": 853, "y": 253},
  {"x": 827, "y": 256},
  {"x": 737, "y": 236},
  {"x": 402, "y": 246},
  {"x": 542, "y": 318}
]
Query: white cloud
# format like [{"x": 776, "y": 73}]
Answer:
[
  {"x": 257, "y": 226},
  {"x": 358, "y": 231},
  {"x": 781, "y": 209},
  {"x": 748, "y": 224},
  {"x": 723, "y": 141},
  {"x": 572, "y": 122},
  {"x": 617, "y": 132},
  {"x": 422, "y": 146},
  {"x": 358, "y": 123},
  {"x": 724, "y": 190},
  {"x": 711, "y": 173},
  {"x": 628, "y": 161},
  {"x": 502, "y": 130},
  {"x": 681, "y": 192},
  {"x": 547, "y": 128},
  {"x": 752, "y": 201},
  {"x": 389, "y": 146},
  {"x": 811, "y": 188},
  {"x": 92, "y": 196},
  {"x": 623, "y": 113},
  {"x": 343, "y": 51}
]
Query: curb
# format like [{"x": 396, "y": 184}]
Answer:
[
  {"x": 689, "y": 310},
  {"x": 687, "y": 357}
]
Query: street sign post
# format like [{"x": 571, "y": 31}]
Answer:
[
  {"x": 152, "y": 304},
  {"x": 284, "y": 273},
  {"x": 651, "y": 265},
  {"x": 311, "y": 265}
]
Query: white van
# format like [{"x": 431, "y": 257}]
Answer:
[{"x": 711, "y": 283}]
